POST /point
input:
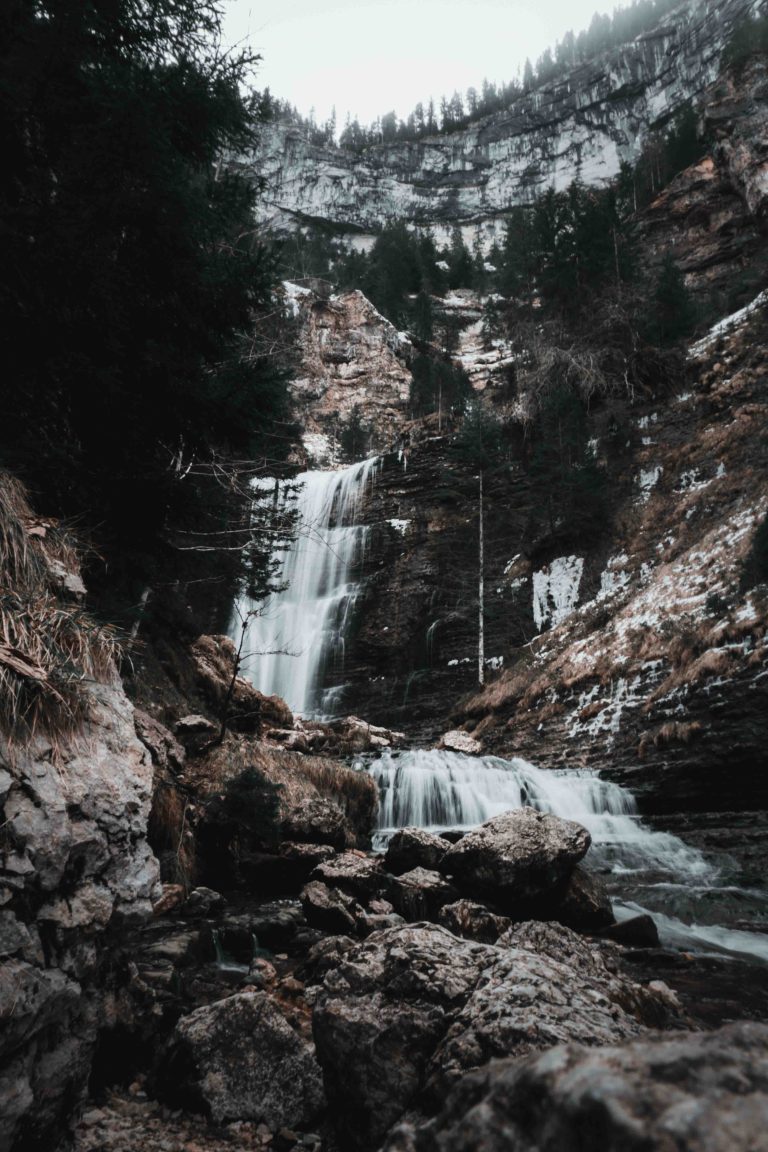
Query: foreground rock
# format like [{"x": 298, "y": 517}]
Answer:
[
  {"x": 414, "y": 848},
  {"x": 402, "y": 1016},
  {"x": 75, "y": 863},
  {"x": 317, "y": 821},
  {"x": 698, "y": 1093},
  {"x": 239, "y": 1059},
  {"x": 517, "y": 857}
]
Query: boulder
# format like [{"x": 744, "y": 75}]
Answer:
[
  {"x": 360, "y": 876},
  {"x": 322, "y": 957},
  {"x": 585, "y": 905},
  {"x": 689, "y": 1091},
  {"x": 459, "y": 741},
  {"x": 528, "y": 1000},
  {"x": 330, "y": 909},
  {"x": 317, "y": 821},
  {"x": 635, "y": 932},
  {"x": 382, "y": 1011},
  {"x": 420, "y": 894},
  {"x": 204, "y": 902},
  {"x": 473, "y": 921},
  {"x": 240, "y": 1059},
  {"x": 414, "y": 848},
  {"x": 195, "y": 732},
  {"x": 517, "y": 858},
  {"x": 286, "y": 872},
  {"x": 403, "y": 1015}
]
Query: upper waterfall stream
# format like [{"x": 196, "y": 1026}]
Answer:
[
  {"x": 296, "y": 633},
  {"x": 693, "y": 898}
]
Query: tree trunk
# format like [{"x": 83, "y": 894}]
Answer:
[{"x": 481, "y": 596}]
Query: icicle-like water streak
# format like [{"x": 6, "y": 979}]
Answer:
[
  {"x": 297, "y": 632},
  {"x": 690, "y": 895}
]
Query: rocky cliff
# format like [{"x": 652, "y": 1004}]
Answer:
[
  {"x": 75, "y": 865},
  {"x": 585, "y": 122}
]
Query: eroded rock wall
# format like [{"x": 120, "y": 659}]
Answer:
[{"x": 587, "y": 121}]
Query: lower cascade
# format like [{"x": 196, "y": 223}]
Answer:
[
  {"x": 295, "y": 636},
  {"x": 691, "y": 896}
]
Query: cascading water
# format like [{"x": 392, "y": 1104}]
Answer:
[
  {"x": 296, "y": 633},
  {"x": 689, "y": 895}
]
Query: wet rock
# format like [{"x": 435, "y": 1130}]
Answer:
[
  {"x": 473, "y": 921},
  {"x": 517, "y": 857},
  {"x": 330, "y": 909},
  {"x": 413, "y": 848},
  {"x": 699, "y": 1092},
  {"x": 360, "y": 876},
  {"x": 636, "y": 932},
  {"x": 459, "y": 741},
  {"x": 239, "y": 1059},
  {"x": 585, "y": 905},
  {"x": 420, "y": 894},
  {"x": 204, "y": 902},
  {"x": 317, "y": 821},
  {"x": 172, "y": 896}
]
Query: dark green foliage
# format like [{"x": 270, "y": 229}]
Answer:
[
  {"x": 748, "y": 39},
  {"x": 479, "y": 440},
  {"x": 438, "y": 386},
  {"x": 569, "y": 490},
  {"x": 128, "y": 277},
  {"x": 672, "y": 313},
  {"x": 755, "y": 569},
  {"x": 354, "y": 438},
  {"x": 461, "y": 272},
  {"x": 423, "y": 317}
]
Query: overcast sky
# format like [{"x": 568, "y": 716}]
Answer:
[{"x": 369, "y": 56}]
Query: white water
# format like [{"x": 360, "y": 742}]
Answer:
[
  {"x": 646, "y": 870},
  {"x": 299, "y": 633}
]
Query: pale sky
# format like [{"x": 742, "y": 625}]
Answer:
[{"x": 370, "y": 56}]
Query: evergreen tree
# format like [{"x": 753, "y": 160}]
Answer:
[
  {"x": 128, "y": 274},
  {"x": 673, "y": 315}
]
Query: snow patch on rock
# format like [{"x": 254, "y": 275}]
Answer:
[{"x": 556, "y": 590}]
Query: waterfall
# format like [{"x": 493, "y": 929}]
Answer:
[
  {"x": 689, "y": 894},
  {"x": 299, "y": 631}
]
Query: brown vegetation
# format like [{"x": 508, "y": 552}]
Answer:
[{"x": 50, "y": 648}]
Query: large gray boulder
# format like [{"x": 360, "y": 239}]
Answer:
[
  {"x": 414, "y": 848},
  {"x": 360, "y": 876},
  {"x": 420, "y": 894},
  {"x": 404, "y": 1015},
  {"x": 317, "y": 821},
  {"x": 382, "y": 1012},
  {"x": 687, "y": 1092},
  {"x": 240, "y": 1059},
  {"x": 518, "y": 857}
]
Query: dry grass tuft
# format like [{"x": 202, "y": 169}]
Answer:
[{"x": 50, "y": 648}]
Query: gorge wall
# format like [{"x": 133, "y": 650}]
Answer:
[{"x": 585, "y": 122}]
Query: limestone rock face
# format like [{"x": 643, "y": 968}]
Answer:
[
  {"x": 702, "y": 1092},
  {"x": 239, "y": 1059},
  {"x": 353, "y": 360},
  {"x": 75, "y": 863},
  {"x": 589, "y": 119},
  {"x": 518, "y": 856}
]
